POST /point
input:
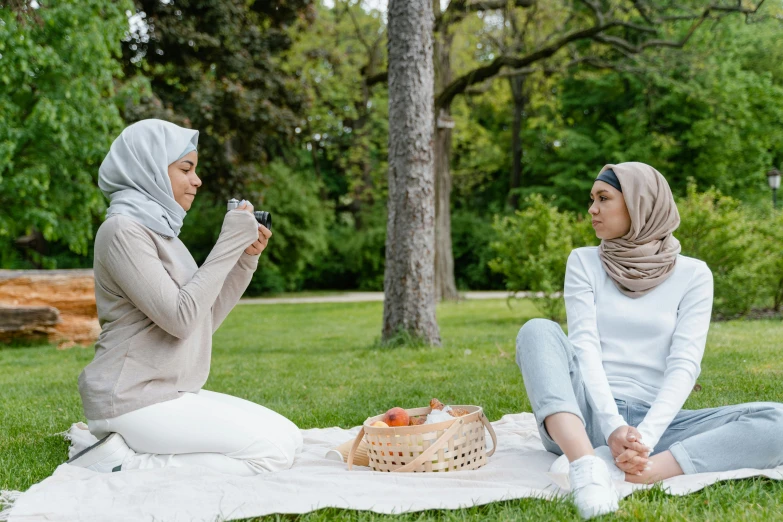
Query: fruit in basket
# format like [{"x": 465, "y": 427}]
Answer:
[
  {"x": 458, "y": 412},
  {"x": 418, "y": 420},
  {"x": 435, "y": 404},
  {"x": 396, "y": 417},
  {"x": 379, "y": 424}
]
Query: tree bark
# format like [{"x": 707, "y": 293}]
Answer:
[
  {"x": 520, "y": 101},
  {"x": 445, "y": 284},
  {"x": 409, "y": 305}
]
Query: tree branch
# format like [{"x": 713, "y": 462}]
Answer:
[
  {"x": 625, "y": 45},
  {"x": 596, "y": 8},
  {"x": 459, "y": 9},
  {"x": 642, "y": 10},
  {"x": 358, "y": 30},
  {"x": 482, "y": 73},
  {"x": 631, "y": 48},
  {"x": 591, "y": 61},
  {"x": 738, "y": 8},
  {"x": 637, "y": 27}
]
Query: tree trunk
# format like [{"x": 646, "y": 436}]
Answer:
[
  {"x": 520, "y": 101},
  {"x": 445, "y": 285},
  {"x": 409, "y": 305}
]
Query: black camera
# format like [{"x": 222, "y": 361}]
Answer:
[{"x": 263, "y": 217}]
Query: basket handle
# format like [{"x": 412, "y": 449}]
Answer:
[
  {"x": 491, "y": 431},
  {"x": 435, "y": 446},
  {"x": 356, "y": 443}
]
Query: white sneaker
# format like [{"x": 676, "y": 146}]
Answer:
[
  {"x": 593, "y": 491},
  {"x": 105, "y": 456},
  {"x": 605, "y": 454},
  {"x": 561, "y": 465}
]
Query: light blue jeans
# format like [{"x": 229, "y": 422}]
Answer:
[{"x": 714, "y": 439}]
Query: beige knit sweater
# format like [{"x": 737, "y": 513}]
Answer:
[{"x": 158, "y": 311}]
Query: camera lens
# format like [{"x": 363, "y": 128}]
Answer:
[{"x": 264, "y": 218}]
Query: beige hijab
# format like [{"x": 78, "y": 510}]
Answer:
[{"x": 644, "y": 257}]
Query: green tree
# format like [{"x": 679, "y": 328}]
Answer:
[
  {"x": 343, "y": 139},
  {"x": 709, "y": 116},
  {"x": 346, "y": 128},
  {"x": 214, "y": 65},
  {"x": 59, "y": 89},
  {"x": 218, "y": 66}
]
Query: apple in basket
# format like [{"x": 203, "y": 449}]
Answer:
[{"x": 396, "y": 417}]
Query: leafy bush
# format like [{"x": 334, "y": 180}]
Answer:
[
  {"x": 740, "y": 245},
  {"x": 471, "y": 236},
  {"x": 771, "y": 232},
  {"x": 300, "y": 227},
  {"x": 532, "y": 249},
  {"x": 355, "y": 258},
  {"x": 718, "y": 230}
]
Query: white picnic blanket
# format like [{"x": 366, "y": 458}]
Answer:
[{"x": 518, "y": 469}]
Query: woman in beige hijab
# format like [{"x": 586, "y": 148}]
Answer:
[{"x": 609, "y": 396}]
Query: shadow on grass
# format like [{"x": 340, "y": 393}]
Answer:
[{"x": 15, "y": 344}]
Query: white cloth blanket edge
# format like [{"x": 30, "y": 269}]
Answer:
[{"x": 324, "y": 484}]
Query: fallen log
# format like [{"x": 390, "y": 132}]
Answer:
[
  {"x": 70, "y": 292},
  {"x": 16, "y": 318}
]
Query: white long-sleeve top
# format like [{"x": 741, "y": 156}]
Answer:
[{"x": 647, "y": 349}]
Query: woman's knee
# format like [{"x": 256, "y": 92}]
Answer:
[
  {"x": 288, "y": 441},
  {"x": 267, "y": 455},
  {"x": 532, "y": 334},
  {"x": 771, "y": 412},
  {"x": 768, "y": 424},
  {"x": 774, "y": 412}
]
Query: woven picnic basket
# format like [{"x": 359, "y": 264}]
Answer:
[{"x": 453, "y": 445}]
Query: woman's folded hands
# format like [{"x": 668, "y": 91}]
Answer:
[{"x": 628, "y": 450}]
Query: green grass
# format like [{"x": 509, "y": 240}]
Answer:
[
  {"x": 307, "y": 293},
  {"x": 320, "y": 365}
]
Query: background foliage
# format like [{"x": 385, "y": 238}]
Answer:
[
  {"x": 288, "y": 119},
  {"x": 740, "y": 245},
  {"x": 61, "y": 82}
]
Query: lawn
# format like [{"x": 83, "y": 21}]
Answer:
[{"x": 319, "y": 365}]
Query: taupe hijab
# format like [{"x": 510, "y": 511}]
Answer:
[{"x": 644, "y": 257}]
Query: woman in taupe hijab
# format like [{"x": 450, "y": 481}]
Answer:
[{"x": 609, "y": 397}]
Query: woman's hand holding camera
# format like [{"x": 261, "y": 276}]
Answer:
[{"x": 263, "y": 233}]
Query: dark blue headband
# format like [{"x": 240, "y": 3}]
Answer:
[{"x": 608, "y": 176}]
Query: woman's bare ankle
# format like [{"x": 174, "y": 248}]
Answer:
[
  {"x": 662, "y": 467},
  {"x": 567, "y": 430}
]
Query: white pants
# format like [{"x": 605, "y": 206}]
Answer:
[{"x": 218, "y": 431}]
